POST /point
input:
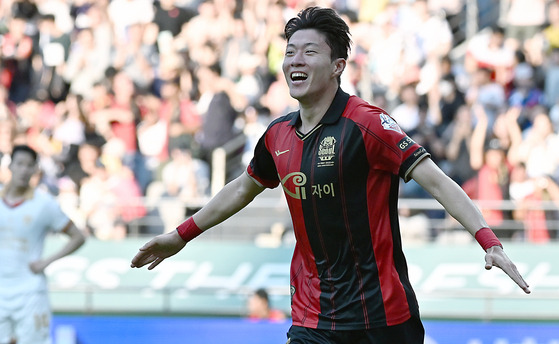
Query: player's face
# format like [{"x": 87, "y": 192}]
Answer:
[
  {"x": 22, "y": 167},
  {"x": 308, "y": 67}
]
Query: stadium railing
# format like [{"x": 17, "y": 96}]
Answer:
[{"x": 269, "y": 211}]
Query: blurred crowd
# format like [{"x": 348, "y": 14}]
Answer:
[{"x": 125, "y": 100}]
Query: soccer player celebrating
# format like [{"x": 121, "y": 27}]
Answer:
[
  {"x": 338, "y": 160},
  {"x": 27, "y": 216}
]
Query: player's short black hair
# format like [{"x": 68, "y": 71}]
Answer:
[
  {"x": 26, "y": 149},
  {"x": 263, "y": 294},
  {"x": 326, "y": 21}
]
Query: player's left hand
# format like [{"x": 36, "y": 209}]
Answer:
[
  {"x": 495, "y": 256},
  {"x": 38, "y": 266},
  {"x": 158, "y": 249}
]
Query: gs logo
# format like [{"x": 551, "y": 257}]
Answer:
[{"x": 405, "y": 143}]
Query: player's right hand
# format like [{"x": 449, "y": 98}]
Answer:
[
  {"x": 158, "y": 249},
  {"x": 496, "y": 257}
]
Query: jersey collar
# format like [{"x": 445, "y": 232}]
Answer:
[
  {"x": 333, "y": 113},
  {"x": 27, "y": 196}
]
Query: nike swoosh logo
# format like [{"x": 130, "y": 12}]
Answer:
[{"x": 278, "y": 153}]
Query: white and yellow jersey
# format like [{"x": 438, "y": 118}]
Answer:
[{"x": 23, "y": 228}]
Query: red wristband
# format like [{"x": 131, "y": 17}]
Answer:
[
  {"x": 188, "y": 230},
  {"x": 486, "y": 238}
]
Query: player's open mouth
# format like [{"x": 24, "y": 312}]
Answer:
[{"x": 298, "y": 76}]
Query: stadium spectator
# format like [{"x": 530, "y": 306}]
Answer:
[
  {"x": 16, "y": 57},
  {"x": 179, "y": 112},
  {"x": 25, "y": 8},
  {"x": 152, "y": 133},
  {"x": 86, "y": 63},
  {"x": 487, "y": 93},
  {"x": 120, "y": 122},
  {"x": 49, "y": 61},
  {"x": 277, "y": 99},
  {"x": 137, "y": 56},
  {"x": 551, "y": 83},
  {"x": 216, "y": 108},
  {"x": 260, "y": 308},
  {"x": 255, "y": 124},
  {"x": 407, "y": 113},
  {"x": 7, "y": 133},
  {"x": 525, "y": 92},
  {"x": 184, "y": 181},
  {"x": 524, "y": 19},
  {"x": 487, "y": 50},
  {"x": 7, "y": 107},
  {"x": 447, "y": 100},
  {"x": 84, "y": 164},
  {"x": 457, "y": 139},
  {"x": 125, "y": 13},
  {"x": 551, "y": 29},
  {"x": 98, "y": 205},
  {"x": 170, "y": 18},
  {"x": 489, "y": 156},
  {"x": 160, "y": 46},
  {"x": 527, "y": 194},
  {"x": 537, "y": 149},
  {"x": 96, "y": 19},
  {"x": 433, "y": 34},
  {"x": 238, "y": 45},
  {"x": 123, "y": 185}
]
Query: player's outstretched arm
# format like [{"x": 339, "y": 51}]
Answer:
[
  {"x": 496, "y": 256},
  {"x": 451, "y": 196},
  {"x": 158, "y": 249},
  {"x": 233, "y": 197}
]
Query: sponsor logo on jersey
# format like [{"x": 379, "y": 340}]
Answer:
[
  {"x": 278, "y": 152},
  {"x": 298, "y": 179},
  {"x": 405, "y": 143}
]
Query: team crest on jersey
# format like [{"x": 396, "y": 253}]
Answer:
[
  {"x": 27, "y": 219},
  {"x": 388, "y": 123},
  {"x": 326, "y": 151}
]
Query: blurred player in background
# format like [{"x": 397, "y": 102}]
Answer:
[
  {"x": 259, "y": 307},
  {"x": 339, "y": 161},
  {"x": 27, "y": 215}
]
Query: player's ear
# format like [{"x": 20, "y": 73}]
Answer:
[{"x": 339, "y": 66}]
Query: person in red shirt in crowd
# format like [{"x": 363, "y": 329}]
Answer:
[
  {"x": 181, "y": 116},
  {"x": 120, "y": 120},
  {"x": 489, "y": 148},
  {"x": 15, "y": 56}
]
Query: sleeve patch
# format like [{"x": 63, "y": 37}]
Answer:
[
  {"x": 405, "y": 143},
  {"x": 388, "y": 123}
]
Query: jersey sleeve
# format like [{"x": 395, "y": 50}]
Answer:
[
  {"x": 393, "y": 150},
  {"x": 262, "y": 167},
  {"x": 57, "y": 219}
]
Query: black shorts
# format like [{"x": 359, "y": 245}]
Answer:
[{"x": 408, "y": 332}]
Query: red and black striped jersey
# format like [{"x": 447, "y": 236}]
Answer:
[{"x": 341, "y": 181}]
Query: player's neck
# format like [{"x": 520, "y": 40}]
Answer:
[
  {"x": 313, "y": 111},
  {"x": 15, "y": 194}
]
